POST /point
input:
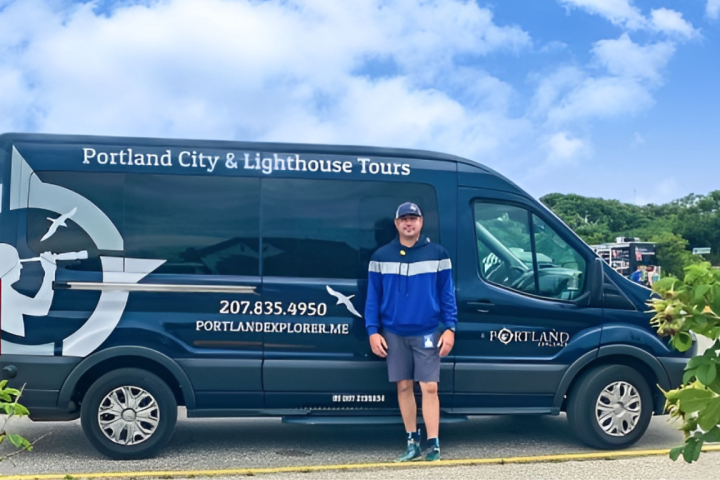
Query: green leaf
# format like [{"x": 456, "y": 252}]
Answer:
[
  {"x": 19, "y": 441},
  {"x": 3, "y": 383},
  {"x": 699, "y": 292},
  {"x": 676, "y": 451},
  {"x": 20, "y": 410},
  {"x": 707, "y": 373},
  {"x": 12, "y": 391},
  {"x": 715, "y": 385},
  {"x": 682, "y": 341},
  {"x": 709, "y": 417},
  {"x": 697, "y": 361},
  {"x": 712, "y": 435},
  {"x": 665, "y": 284},
  {"x": 693, "y": 399},
  {"x": 693, "y": 446},
  {"x": 689, "y": 374},
  {"x": 700, "y": 320},
  {"x": 715, "y": 300}
]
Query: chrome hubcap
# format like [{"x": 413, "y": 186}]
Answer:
[
  {"x": 128, "y": 415},
  {"x": 618, "y": 409}
]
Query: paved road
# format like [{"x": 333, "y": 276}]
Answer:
[
  {"x": 644, "y": 468},
  {"x": 207, "y": 444}
]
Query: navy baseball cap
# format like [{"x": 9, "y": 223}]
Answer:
[{"x": 408, "y": 208}]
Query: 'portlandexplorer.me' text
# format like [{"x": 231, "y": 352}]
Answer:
[{"x": 272, "y": 327}]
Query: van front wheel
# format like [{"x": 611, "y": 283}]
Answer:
[
  {"x": 129, "y": 414},
  {"x": 610, "y": 407}
]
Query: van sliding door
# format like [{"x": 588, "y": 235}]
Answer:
[{"x": 317, "y": 239}]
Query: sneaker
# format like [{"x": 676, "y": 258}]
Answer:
[
  {"x": 433, "y": 454},
  {"x": 433, "y": 450},
  {"x": 411, "y": 454}
]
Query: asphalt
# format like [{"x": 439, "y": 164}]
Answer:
[
  {"x": 643, "y": 468},
  {"x": 267, "y": 443},
  {"x": 652, "y": 465}
]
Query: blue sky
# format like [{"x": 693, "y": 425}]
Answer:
[{"x": 605, "y": 98}]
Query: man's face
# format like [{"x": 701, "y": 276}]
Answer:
[{"x": 409, "y": 226}]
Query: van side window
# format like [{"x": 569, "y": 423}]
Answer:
[
  {"x": 200, "y": 225},
  {"x": 519, "y": 251},
  {"x": 330, "y": 228}
]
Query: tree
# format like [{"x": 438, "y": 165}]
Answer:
[
  {"x": 672, "y": 253},
  {"x": 676, "y": 227},
  {"x": 684, "y": 307}
]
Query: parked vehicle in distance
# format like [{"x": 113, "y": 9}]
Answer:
[{"x": 142, "y": 274}]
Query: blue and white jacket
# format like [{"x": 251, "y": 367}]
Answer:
[{"x": 410, "y": 290}]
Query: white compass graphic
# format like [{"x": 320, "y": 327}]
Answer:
[{"x": 28, "y": 191}]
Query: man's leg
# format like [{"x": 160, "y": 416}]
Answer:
[
  {"x": 430, "y": 408},
  {"x": 408, "y": 407},
  {"x": 427, "y": 372},
  {"x": 431, "y": 415},
  {"x": 400, "y": 371}
]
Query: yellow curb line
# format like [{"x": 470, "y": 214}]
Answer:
[{"x": 357, "y": 466}]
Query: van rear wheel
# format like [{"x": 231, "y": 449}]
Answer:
[
  {"x": 610, "y": 407},
  {"x": 129, "y": 414}
]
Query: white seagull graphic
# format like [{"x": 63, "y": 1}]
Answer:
[
  {"x": 57, "y": 222},
  {"x": 344, "y": 300}
]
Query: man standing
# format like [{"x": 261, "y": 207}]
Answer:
[
  {"x": 410, "y": 292},
  {"x": 638, "y": 275}
]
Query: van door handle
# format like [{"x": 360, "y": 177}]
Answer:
[{"x": 482, "y": 306}]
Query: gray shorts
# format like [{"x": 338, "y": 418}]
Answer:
[{"x": 413, "y": 358}]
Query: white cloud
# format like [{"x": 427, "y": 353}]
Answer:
[
  {"x": 402, "y": 73},
  {"x": 623, "y": 13},
  {"x": 602, "y": 97},
  {"x": 672, "y": 22},
  {"x": 562, "y": 149},
  {"x": 624, "y": 58},
  {"x": 619, "y": 12},
  {"x": 553, "y": 86},
  {"x": 712, "y": 10},
  {"x": 620, "y": 82},
  {"x": 284, "y": 70}
]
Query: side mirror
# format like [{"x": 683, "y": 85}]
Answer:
[{"x": 596, "y": 279}]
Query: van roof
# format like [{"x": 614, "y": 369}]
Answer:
[{"x": 292, "y": 147}]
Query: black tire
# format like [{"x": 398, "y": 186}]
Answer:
[
  {"x": 154, "y": 428},
  {"x": 584, "y": 415}
]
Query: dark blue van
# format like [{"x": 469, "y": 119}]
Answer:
[{"x": 139, "y": 274}]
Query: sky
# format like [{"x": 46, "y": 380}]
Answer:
[{"x": 616, "y": 99}]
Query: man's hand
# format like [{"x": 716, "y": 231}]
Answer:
[
  {"x": 446, "y": 342},
  {"x": 378, "y": 345}
]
